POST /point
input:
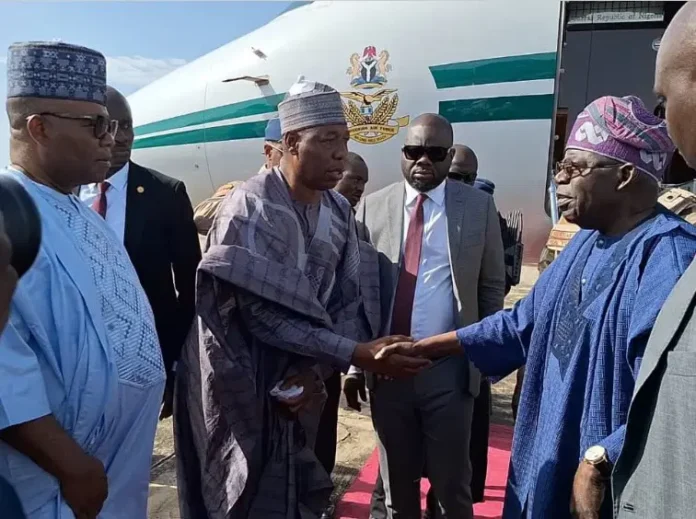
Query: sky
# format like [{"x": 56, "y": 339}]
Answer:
[{"x": 142, "y": 41}]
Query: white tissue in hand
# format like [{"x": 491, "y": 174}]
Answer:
[{"x": 291, "y": 392}]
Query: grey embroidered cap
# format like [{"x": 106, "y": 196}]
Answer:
[
  {"x": 56, "y": 71},
  {"x": 309, "y": 104}
]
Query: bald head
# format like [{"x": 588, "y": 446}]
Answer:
[
  {"x": 119, "y": 109},
  {"x": 116, "y": 101},
  {"x": 675, "y": 80},
  {"x": 355, "y": 176},
  {"x": 434, "y": 121},
  {"x": 427, "y": 153},
  {"x": 355, "y": 161},
  {"x": 464, "y": 164}
]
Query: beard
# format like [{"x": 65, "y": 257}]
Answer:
[{"x": 423, "y": 185}]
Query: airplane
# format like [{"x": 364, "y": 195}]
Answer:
[{"x": 497, "y": 70}]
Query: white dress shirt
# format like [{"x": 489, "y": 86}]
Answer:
[
  {"x": 434, "y": 302},
  {"x": 115, "y": 200}
]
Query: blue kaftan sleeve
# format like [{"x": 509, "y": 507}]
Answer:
[
  {"x": 498, "y": 344},
  {"x": 669, "y": 258},
  {"x": 22, "y": 390}
]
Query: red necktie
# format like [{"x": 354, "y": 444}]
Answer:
[
  {"x": 99, "y": 204},
  {"x": 408, "y": 274}
]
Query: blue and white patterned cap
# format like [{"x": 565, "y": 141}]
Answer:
[{"x": 55, "y": 70}]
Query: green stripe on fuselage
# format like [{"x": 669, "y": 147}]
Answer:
[
  {"x": 258, "y": 106},
  {"x": 507, "y": 69},
  {"x": 489, "y": 109},
  {"x": 480, "y": 72},
  {"x": 230, "y": 132}
]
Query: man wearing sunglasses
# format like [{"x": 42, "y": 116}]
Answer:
[
  {"x": 81, "y": 369},
  {"x": 583, "y": 329},
  {"x": 464, "y": 165},
  {"x": 151, "y": 214},
  {"x": 442, "y": 267}
]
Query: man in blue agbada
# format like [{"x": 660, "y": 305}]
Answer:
[
  {"x": 584, "y": 326},
  {"x": 81, "y": 373}
]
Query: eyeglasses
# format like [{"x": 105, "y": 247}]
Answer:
[
  {"x": 101, "y": 124},
  {"x": 574, "y": 170},
  {"x": 275, "y": 146},
  {"x": 434, "y": 153}
]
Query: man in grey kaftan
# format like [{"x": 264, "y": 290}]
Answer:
[{"x": 284, "y": 288}]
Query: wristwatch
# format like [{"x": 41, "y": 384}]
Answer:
[{"x": 597, "y": 457}]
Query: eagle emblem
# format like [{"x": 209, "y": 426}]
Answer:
[{"x": 370, "y": 116}]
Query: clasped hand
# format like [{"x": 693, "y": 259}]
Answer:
[{"x": 399, "y": 361}]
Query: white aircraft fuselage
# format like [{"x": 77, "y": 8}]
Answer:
[{"x": 489, "y": 67}]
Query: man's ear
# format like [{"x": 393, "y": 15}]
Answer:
[
  {"x": 626, "y": 174},
  {"x": 37, "y": 130},
  {"x": 291, "y": 142},
  {"x": 267, "y": 149}
]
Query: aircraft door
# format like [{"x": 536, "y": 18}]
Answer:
[
  {"x": 238, "y": 109},
  {"x": 169, "y": 136}
]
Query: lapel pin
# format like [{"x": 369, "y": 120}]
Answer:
[{"x": 140, "y": 189}]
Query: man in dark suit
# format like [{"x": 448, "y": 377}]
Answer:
[{"x": 153, "y": 216}]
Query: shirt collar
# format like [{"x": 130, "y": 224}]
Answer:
[
  {"x": 437, "y": 194},
  {"x": 119, "y": 179}
]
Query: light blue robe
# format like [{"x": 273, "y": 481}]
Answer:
[{"x": 81, "y": 344}]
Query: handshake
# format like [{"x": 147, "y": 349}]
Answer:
[{"x": 396, "y": 356}]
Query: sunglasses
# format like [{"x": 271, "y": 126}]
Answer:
[
  {"x": 434, "y": 153},
  {"x": 462, "y": 177},
  {"x": 101, "y": 124}
]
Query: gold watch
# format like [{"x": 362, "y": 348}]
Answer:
[{"x": 597, "y": 457}]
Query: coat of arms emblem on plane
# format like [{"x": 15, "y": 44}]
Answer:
[{"x": 370, "y": 115}]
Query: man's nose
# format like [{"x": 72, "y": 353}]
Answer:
[
  {"x": 561, "y": 177},
  {"x": 341, "y": 151},
  {"x": 107, "y": 141},
  {"x": 121, "y": 137},
  {"x": 424, "y": 160}
]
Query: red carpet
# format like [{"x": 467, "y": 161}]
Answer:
[{"x": 355, "y": 503}]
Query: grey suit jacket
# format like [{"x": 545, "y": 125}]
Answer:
[
  {"x": 655, "y": 475},
  {"x": 476, "y": 251}
]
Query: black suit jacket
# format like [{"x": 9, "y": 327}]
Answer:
[{"x": 162, "y": 242}]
